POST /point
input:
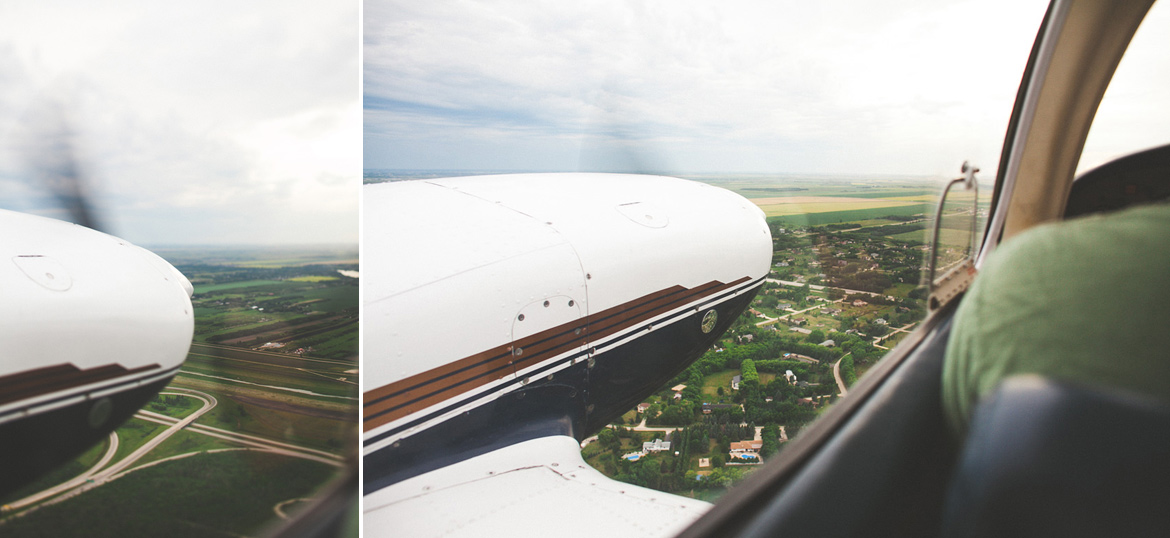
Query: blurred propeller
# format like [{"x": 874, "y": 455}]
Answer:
[{"x": 52, "y": 160}]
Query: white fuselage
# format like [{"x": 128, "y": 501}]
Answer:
[
  {"x": 466, "y": 269},
  {"x": 83, "y": 315}
]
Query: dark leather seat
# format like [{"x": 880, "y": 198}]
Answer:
[{"x": 1044, "y": 458}]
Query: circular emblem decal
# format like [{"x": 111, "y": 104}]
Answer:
[{"x": 709, "y": 320}]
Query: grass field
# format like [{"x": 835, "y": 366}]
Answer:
[
  {"x": 798, "y": 205},
  {"x": 314, "y": 278},
  {"x": 184, "y": 442},
  {"x": 135, "y": 433},
  {"x": 955, "y": 238},
  {"x": 222, "y": 494},
  {"x": 835, "y": 217},
  {"x": 199, "y": 289}
]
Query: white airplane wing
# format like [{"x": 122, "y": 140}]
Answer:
[{"x": 535, "y": 488}]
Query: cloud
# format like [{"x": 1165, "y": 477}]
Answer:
[
  {"x": 214, "y": 122},
  {"x": 692, "y": 86}
]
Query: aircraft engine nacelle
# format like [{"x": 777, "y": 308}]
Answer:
[
  {"x": 91, "y": 328},
  {"x": 502, "y": 308}
]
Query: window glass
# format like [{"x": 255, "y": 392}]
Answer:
[
  {"x": 1135, "y": 111},
  {"x": 840, "y": 121}
]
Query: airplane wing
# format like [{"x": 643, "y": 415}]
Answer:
[{"x": 538, "y": 486}]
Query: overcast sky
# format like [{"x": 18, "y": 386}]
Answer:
[
  {"x": 197, "y": 122},
  {"x": 851, "y": 87}
]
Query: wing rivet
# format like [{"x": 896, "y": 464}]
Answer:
[
  {"x": 520, "y": 317},
  {"x": 546, "y": 303},
  {"x": 518, "y": 351},
  {"x": 571, "y": 303}
]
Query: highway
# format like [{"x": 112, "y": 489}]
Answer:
[{"x": 102, "y": 472}]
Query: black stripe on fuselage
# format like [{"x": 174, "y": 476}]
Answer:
[
  {"x": 600, "y": 348},
  {"x": 578, "y": 400}
]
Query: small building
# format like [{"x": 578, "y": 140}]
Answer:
[
  {"x": 735, "y": 382},
  {"x": 678, "y": 388},
  {"x": 657, "y": 445},
  {"x": 800, "y": 330},
  {"x": 704, "y": 462},
  {"x": 828, "y": 343},
  {"x": 859, "y": 302},
  {"x": 789, "y": 376}
]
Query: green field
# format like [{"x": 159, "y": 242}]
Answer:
[
  {"x": 222, "y": 494},
  {"x": 801, "y": 208},
  {"x": 202, "y": 289},
  {"x": 834, "y": 217},
  {"x": 135, "y": 433},
  {"x": 185, "y": 442}
]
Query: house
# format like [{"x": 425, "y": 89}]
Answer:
[
  {"x": 859, "y": 302},
  {"x": 677, "y": 397},
  {"x": 746, "y": 449},
  {"x": 801, "y": 331},
  {"x": 828, "y": 343},
  {"x": 642, "y": 407},
  {"x": 735, "y": 382},
  {"x": 747, "y": 337},
  {"x": 678, "y": 388},
  {"x": 881, "y": 321},
  {"x": 657, "y": 445},
  {"x": 791, "y": 377}
]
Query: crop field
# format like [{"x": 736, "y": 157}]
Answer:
[
  {"x": 835, "y": 217},
  {"x": 797, "y": 205},
  {"x": 951, "y": 237},
  {"x": 210, "y": 288}
]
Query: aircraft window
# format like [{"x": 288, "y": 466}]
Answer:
[
  {"x": 1135, "y": 110},
  {"x": 840, "y": 123}
]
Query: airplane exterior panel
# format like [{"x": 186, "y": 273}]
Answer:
[
  {"x": 504, "y": 308},
  {"x": 82, "y": 309}
]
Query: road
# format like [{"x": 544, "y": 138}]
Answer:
[
  {"x": 99, "y": 474},
  {"x": 114, "y": 470},
  {"x": 903, "y": 329},
  {"x": 785, "y": 316},
  {"x": 819, "y": 287},
  {"x": 80, "y": 479},
  {"x": 837, "y": 375}
]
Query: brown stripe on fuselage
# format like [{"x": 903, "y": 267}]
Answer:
[
  {"x": 40, "y": 381},
  {"x": 401, "y": 398}
]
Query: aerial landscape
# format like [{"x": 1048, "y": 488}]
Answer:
[
  {"x": 257, "y": 422},
  {"x": 845, "y": 286}
]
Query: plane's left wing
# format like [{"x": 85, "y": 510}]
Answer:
[{"x": 539, "y": 487}]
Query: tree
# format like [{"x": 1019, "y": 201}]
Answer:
[
  {"x": 717, "y": 461},
  {"x": 816, "y": 337},
  {"x": 609, "y": 441}
]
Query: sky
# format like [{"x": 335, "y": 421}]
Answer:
[
  {"x": 191, "y": 123},
  {"x": 844, "y": 88}
]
